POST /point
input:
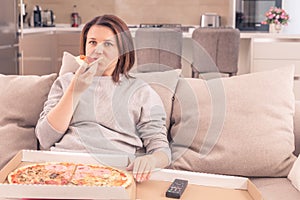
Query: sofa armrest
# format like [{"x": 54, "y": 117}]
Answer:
[{"x": 297, "y": 127}]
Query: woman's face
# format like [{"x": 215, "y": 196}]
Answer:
[{"x": 101, "y": 42}]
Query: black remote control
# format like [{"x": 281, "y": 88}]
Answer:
[{"x": 176, "y": 188}]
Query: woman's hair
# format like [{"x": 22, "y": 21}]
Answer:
[{"x": 124, "y": 42}]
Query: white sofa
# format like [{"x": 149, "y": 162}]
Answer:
[{"x": 245, "y": 125}]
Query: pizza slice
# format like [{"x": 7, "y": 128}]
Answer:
[{"x": 100, "y": 176}]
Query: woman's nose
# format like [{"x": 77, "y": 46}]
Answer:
[{"x": 99, "y": 48}]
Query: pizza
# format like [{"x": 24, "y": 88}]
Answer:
[
  {"x": 65, "y": 173},
  {"x": 81, "y": 59}
]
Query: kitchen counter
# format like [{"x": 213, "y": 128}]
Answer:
[
  {"x": 252, "y": 35},
  {"x": 67, "y": 28},
  {"x": 51, "y": 30}
]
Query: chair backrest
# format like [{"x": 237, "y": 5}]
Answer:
[
  {"x": 158, "y": 49},
  {"x": 215, "y": 50}
]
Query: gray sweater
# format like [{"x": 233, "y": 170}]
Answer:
[{"x": 124, "y": 117}]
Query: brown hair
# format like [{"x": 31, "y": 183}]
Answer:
[{"x": 124, "y": 42}]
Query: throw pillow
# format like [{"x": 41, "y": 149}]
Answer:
[
  {"x": 69, "y": 64},
  {"x": 21, "y": 101},
  {"x": 242, "y": 125}
]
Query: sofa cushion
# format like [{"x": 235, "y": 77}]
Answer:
[
  {"x": 69, "y": 63},
  {"x": 294, "y": 175},
  {"x": 21, "y": 101},
  {"x": 242, "y": 125},
  {"x": 276, "y": 188}
]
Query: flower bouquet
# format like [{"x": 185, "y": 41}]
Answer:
[{"x": 276, "y": 17}]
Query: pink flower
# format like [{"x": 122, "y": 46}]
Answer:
[{"x": 276, "y": 16}]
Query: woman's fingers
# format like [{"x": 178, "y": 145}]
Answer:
[
  {"x": 141, "y": 168},
  {"x": 81, "y": 69}
]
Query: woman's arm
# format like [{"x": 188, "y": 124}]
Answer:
[
  {"x": 152, "y": 130},
  {"x": 60, "y": 116},
  {"x": 59, "y": 108}
]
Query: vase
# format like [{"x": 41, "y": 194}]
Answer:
[{"x": 275, "y": 28}]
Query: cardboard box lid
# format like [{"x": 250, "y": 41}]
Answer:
[{"x": 63, "y": 192}]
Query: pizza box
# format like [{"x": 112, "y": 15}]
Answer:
[
  {"x": 64, "y": 192},
  {"x": 200, "y": 186}
]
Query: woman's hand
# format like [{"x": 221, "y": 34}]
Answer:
[
  {"x": 142, "y": 167},
  {"x": 84, "y": 76},
  {"x": 60, "y": 116}
]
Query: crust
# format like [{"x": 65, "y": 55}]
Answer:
[{"x": 128, "y": 181}]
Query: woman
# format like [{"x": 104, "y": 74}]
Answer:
[{"x": 101, "y": 109}]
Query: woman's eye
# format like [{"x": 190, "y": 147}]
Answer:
[
  {"x": 93, "y": 42},
  {"x": 108, "y": 44}
]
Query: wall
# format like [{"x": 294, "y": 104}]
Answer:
[
  {"x": 139, "y": 11},
  {"x": 293, "y": 26}
]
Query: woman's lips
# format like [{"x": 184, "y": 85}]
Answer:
[{"x": 90, "y": 60}]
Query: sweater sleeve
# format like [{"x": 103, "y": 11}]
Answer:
[
  {"x": 45, "y": 133},
  {"x": 152, "y": 124}
]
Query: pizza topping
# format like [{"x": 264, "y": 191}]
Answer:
[
  {"x": 56, "y": 167},
  {"x": 82, "y": 57},
  {"x": 53, "y": 175}
]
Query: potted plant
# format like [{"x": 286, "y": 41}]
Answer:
[{"x": 276, "y": 18}]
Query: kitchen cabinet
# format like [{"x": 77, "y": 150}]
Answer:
[
  {"x": 271, "y": 53},
  {"x": 42, "y": 52},
  {"x": 37, "y": 52}
]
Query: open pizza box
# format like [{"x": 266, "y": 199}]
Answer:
[
  {"x": 200, "y": 186},
  {"x": 64, "y": 192}
]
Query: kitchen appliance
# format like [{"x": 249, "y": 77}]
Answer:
[
  {"x": 250, "y": 14},
  {"x": 9, "y": 42},
  {"x": 210, "y": 20},
  {"x": 146, "y": 25},
  {"x": 75, "y": 18},
  {"x": 48, "y": 18},
  {"x": 36, "y": 18},
  {"x": 23, "y": 14}
]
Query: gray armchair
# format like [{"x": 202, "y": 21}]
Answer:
[
  {"x": 215, "y": 50},
  {"x": 158, "y": 49}
]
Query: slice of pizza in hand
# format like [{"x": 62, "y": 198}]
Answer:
[
  {"x": 86, "y": 59},
  {"x": 81, "y": 59},
  {"x": 43, "y": 173}
]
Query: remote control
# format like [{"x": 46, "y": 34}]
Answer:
[{"x": 176, "y": 188}]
